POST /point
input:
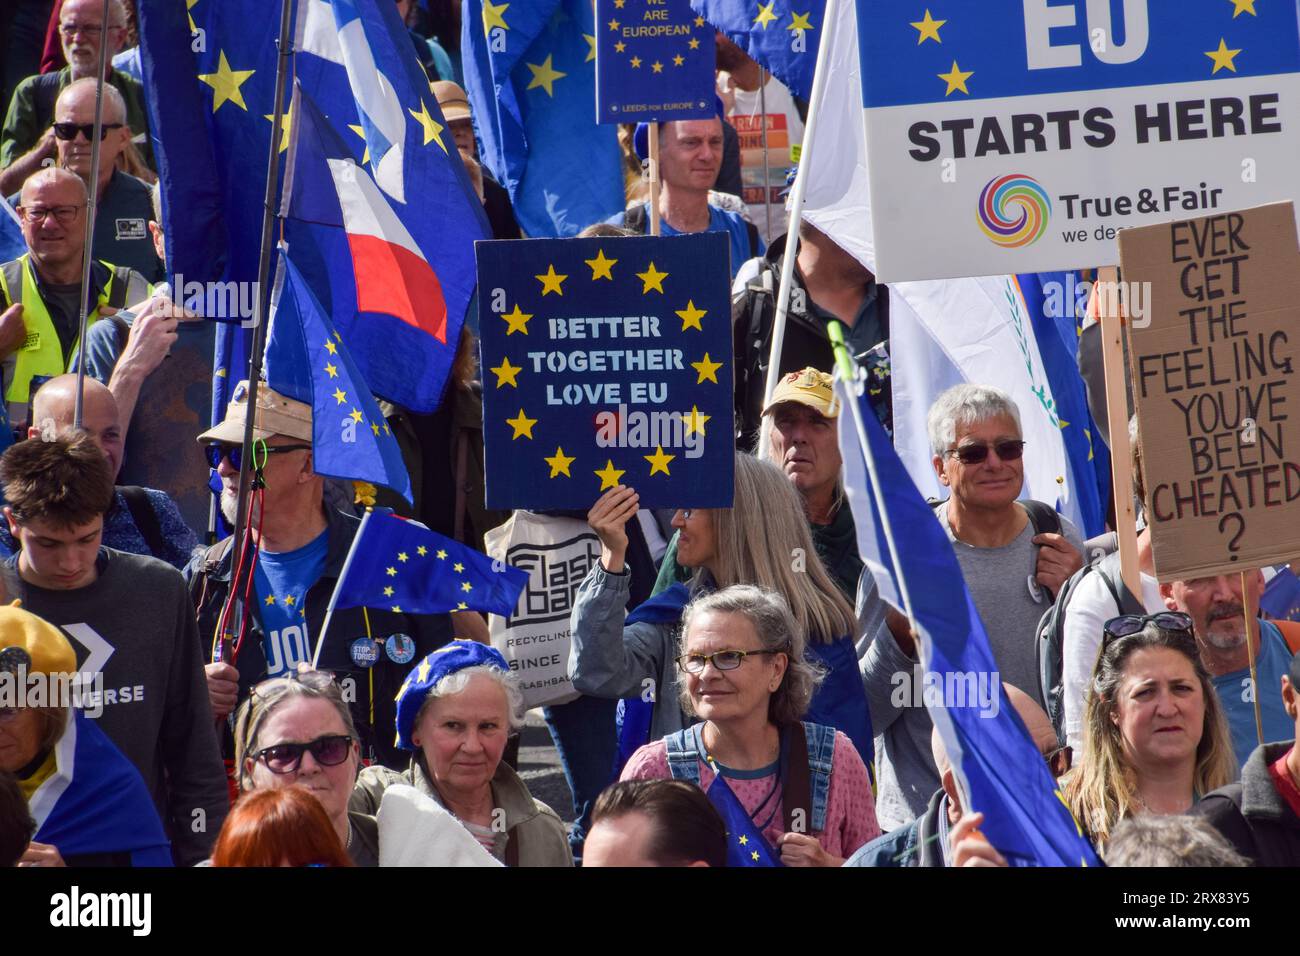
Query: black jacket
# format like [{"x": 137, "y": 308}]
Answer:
[
  {"x": 209, "y": 579},
  {"x": 1253, "y": 816}
]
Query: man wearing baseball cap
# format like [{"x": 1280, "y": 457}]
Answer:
[
  {"x": 496, "y": 200},
  {"x": 300, "y": 546}
]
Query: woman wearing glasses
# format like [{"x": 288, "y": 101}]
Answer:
[
  {"x": 298, "y": 731},
  {"x": 802, "y": 786},
  {"x": 455, "y": 712},
  {"x": 1155, "y": 739}
]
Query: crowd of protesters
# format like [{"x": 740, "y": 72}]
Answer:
[{"x": 1169, "y": 731}]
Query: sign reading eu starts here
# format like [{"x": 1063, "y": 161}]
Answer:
[
  {"x": 605, "y": 362},
  {"x": 654, "y": 62},
  {"x": 1034, "y": 130}
]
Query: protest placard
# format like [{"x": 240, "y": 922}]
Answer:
[
  {"x": 1217, "y": 400},
  {"x": 654, "y": 62},
  {"x": 1033, "y": 131},
  {"x": 606, "y": 361}
]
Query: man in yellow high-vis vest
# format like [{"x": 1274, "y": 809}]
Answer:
[{"x": 40, "y": 291}]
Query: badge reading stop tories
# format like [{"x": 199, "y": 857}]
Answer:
[{"x": 364, "y": 652}]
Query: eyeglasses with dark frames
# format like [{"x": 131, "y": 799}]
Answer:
[{"x": 722, "y": 660}]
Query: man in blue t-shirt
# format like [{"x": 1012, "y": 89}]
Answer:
[
  {"x": 690, "y": 154},
  {"x": 1215, "y": 606}
]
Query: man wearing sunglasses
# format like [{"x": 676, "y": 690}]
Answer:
[
  {"x": 301, "y": 547},
  {"x": 1014, "y": 556},
  {"x": 40, "y": 291},
  {"x": 27, "y": 141}
]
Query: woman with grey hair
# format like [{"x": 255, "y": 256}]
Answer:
[
  {"x": 298, "y": 731},
  {"x": 802, "y": 785},
  {"x": 455, "y": 712}
]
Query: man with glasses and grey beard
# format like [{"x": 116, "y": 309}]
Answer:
[{"x": 1014, "y": 555}]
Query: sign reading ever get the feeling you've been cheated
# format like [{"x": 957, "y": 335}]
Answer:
[{"x": 606, "y": 362}]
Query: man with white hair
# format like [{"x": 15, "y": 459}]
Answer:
[
  {"x": 1014, "y": 555},
  {"x": 27, "y": 141}
]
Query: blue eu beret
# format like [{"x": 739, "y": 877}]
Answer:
[{"x": 446, "y": 660}]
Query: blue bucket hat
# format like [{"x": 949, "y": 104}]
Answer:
[{"x": 448, "y": 659}]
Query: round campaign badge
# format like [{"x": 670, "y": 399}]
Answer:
[
  {"x": 364, "y": 651},
  {"x": 400, "y": 648}
]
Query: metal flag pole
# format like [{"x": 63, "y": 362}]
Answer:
[
  {"x": 652, "y": 142},
  {"x": 87, "y": 253},
  {"x": 767, "y": 165},
  {"x": 796, "y": 216},
  {"x": 1252, "y": 631},
  {"x": 284, "y": 45}
]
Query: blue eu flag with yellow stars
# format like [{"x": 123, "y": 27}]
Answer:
[
  {"x": 530, "y": 72},
  {"x": 654, "y": 62},
  {"x": 306, "y": 359},
  {"x": 781, "y": 35},
  {"x": 401, "y": 566},
  {"x": 746, "y": 845}
]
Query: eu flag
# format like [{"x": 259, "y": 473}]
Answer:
[
  {"x": 306, "y": 359},
  {"x": 1006, "y": 778},
  {"x": 530, "y": 75},
  {"x": 780, "y": 35},
  {"x": 746, "y": 845},
  {"x": 401, "y": 565}
]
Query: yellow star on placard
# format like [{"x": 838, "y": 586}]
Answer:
[
  {"x": 270, "y": 600},
  {"x": 331, "y": 347},
  {"x": 694, "y": 44},
  {"x": 360, "y": 131},
  {"x": 286, "y": 120},
  {"x": 609, "y": 475},
  {"x": 800, "y": 21},
  {"x": 340, "y": 396},
  {"x": 544, "y": 75},
  {"x": 659, "y": 461},
  {"x": 691, "y": 316},
  {"x": 928, "y": 28},
  {"x": 636, "y": 62},
  {"x": 708, "y": 370},
  {"x": 695, "y": 421},
  {"x": 391, "y": 572},
  {"x": 225, "y": 84},
  {"x": 600, "y": 266},
  {"x": 422, "y": 551},
  {"x": 356, "y": 416},
  {"x": 678, "y": 60},
  {"x": 493, "y": 15},
  {"x": 1222, "y": 57},
  {"x": 591, "y": 47},
  {"x": 388, "y": 591},
  {"x": 619, "y": 4},
  {"x": 956, "y": 79},
  {"x": 522, "y": 424},
  {"x": 765, "y": 15},
  {"x": 458, "y": 567},
  {"x": 432, "y": 128},
  {"x": 620, "y": 46},
  {"x": 657, "y": 67},
  {"x": 403, "y": 556},
  {"x": 614, "y": 24},
  {"x": 506, "y": 373},
  {"x": 550, "y": 281},
  {"x": 517, "y": 320},
  {"x": 699, "y": 21},
  {"x": 331, "y": 370},
  {"x": 560, "y": 463},
  {"x": 652, "y": 279},
  {"x": 1243, "y": 6},
  {"x": 466, "y": 587}
]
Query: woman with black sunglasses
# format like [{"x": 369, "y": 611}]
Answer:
[
  {"x": 298, "y": 731},
  {"x": 1155, "y": 738}
]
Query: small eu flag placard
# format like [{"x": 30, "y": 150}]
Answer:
[
  {"x": 606, "y": 361},
  {"x": 654, "y": 62}
]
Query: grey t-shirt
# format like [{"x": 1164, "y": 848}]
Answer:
[{"x": 1010, "y": 602}]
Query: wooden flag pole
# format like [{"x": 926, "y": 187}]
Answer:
[
  {"x": 1106, "y": 306},
  {"x": 652, "y": 138},
  {"x": 1252, "y": 631}
]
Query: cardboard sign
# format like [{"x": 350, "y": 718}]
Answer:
[
  {"x": 1035, "y": 130},
  {"x": 606, "y": 361},
  {"x": 1214, "y": 385},
  {"x": 654, "y": 62}
]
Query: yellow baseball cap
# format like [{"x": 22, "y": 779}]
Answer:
[
  {"x": 276, "y": 415},
  {"x": 808, "y": 387},
  {"x": 34, "y": 643}
]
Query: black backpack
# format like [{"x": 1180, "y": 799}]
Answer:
[{"x": 1049, "y": 638}]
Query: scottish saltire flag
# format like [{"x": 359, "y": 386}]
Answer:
[
  {"x": 942, "y": 332},
  {"x": 746, "y": 845},
  {"x": 12, "y": 243},
  {"x": 96, "y": 801},
  {"x": 1051, "y": 310},
  {"x": 307, "y": 359},
  {"x": 379, "y": 186},
  {"x": 530, "y": 75},
  {"x": 782, "y": 35},
  {"x": 402, "y": 566},
  {"x": 1004, "y": 775}
]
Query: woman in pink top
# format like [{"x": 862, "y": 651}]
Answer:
[{"x": 744, "y": 674}]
